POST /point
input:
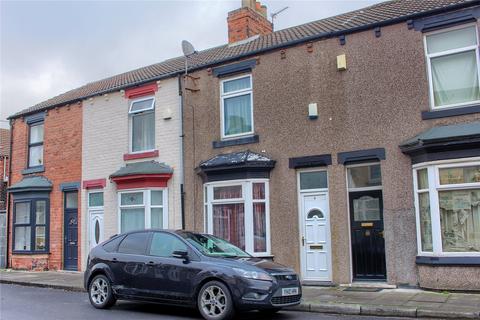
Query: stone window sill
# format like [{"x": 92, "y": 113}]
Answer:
[
  {"x": 427, "y": 115},
  {"x": 40, "y": 253},
  {"x": 448, "y": 261},
  {"x": 140, "y": 155},
  {"x": 36, "y": 169}
]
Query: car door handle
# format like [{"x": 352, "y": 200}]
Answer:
[
  {"x": 114, "y": 260},
  {"x": 151, "y": 263}
]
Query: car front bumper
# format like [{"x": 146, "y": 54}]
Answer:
[{"x": 256, "y": 294}]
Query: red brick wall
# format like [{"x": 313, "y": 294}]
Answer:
[
  {"x": 244, "y": 23},
  {"x": 62, "y": 161}
]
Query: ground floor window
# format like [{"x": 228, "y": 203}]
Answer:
[
  {"x": 30, "y": 230},
  {"x": 448, "y": 208},
  {"x": 238, "y": 211},
  {"x": 143, "y": 209}
]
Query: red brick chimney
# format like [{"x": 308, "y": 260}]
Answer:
[{"x": 248, "y": 21}]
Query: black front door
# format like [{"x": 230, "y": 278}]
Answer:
[
  {"x": 368, "y": 244},
  {"x": 70, "y": 227}
]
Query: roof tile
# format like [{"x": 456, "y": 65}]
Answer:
[{"x": 382, "y": 12}]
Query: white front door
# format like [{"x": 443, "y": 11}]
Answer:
[
  {"x": 316, "y": 247},
  {"x": 96, "y": 228}
]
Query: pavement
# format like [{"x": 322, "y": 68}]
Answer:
[
  {"x": 413, "y": 303},
  {"x": 52, "y": 304}
]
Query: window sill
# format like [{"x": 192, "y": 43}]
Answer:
[
  {"x": 140, "y": 155},
  {"x": 36, "y": 169},
  {"x": 431, "y": 114},
  {"x": 235, "y": 142},
  {"x": 448, "y": 261},
  {"x": 46, "y": 253}
]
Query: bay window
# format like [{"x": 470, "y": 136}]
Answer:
[
  {"x": 143, "y": 209},
  {"x": 236, "y": 106},
  {"x": 142, "y": 124},
  {"x": 30, "y": 226},
  {"x": 448, "y": 208},
  {"x": 452, "y": 60},
  {"x": 238, "y": 212}
]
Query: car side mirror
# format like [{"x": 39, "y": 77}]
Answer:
[{"x": 181, "y": 255}]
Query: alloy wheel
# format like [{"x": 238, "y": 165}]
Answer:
[
  {"x": 214, "y": 301},
  {"x": 99, "y": 291}
]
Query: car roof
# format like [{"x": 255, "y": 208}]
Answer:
[{"x": 172, "y": 231}]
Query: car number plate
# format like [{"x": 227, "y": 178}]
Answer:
[{"x": 289, "y": 291}]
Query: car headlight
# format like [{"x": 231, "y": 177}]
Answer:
[{"x": 253, "y": 274}]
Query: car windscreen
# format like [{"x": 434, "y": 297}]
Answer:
[{"x": 213, "y": 246}]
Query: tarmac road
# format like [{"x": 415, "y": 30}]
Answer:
[{"x": 32, "y": 303}]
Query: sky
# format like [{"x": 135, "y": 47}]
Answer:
[{"x": 49, "y": 47}]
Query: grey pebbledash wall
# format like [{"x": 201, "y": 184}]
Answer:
[{"x": 376, "y": 103}]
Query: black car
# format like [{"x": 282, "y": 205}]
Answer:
[{"x": 187, "y": 269}]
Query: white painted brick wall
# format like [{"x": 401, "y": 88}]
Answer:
[{"x": 105, "y": 141}]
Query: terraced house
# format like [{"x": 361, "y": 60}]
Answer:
[
  {"x": 333, "y": 145},
  {"x": 346, "y": 147}
]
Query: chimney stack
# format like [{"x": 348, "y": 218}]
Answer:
[{"x": 248, "y": 21}]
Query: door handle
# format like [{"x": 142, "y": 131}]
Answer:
[
  {"x": 151, "y": 263},
  {"x": 114, "y": 260},
  {"x": 303, "y": 240}
]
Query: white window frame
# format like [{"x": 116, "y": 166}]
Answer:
[
  {"x": 130, "y": 120},
  {"x": 446, "y": 53},
  {"x": 300, "y": 171},
  {"x": 88, "y": 200},
  {"x": 247, "y": 200},
  {"x": 146, "y": 205},
  {"x": 434, "y": 187},
  {"x": 233, "y": 94},
  {"x": 152, "y": 106}
]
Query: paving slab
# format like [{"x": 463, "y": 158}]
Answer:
[
  {"x": 430, "y": 297},
  {"x": 389, "y": 311}
]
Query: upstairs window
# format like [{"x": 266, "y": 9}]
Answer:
[
  {"x": 237, "y": 106},
  {"x": 142, "y": 124},
  {"x": 35, "y": 145},
  {"x": 452, "y": 58}
]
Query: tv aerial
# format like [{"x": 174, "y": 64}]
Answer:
[
  {"x": 275, "y": 14},
  {"x": 188, "y": 50}
]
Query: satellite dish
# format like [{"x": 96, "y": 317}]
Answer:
[{"x": 187, "y": 48}]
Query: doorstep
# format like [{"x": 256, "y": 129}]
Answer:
[{"x": 369, "y": 284}]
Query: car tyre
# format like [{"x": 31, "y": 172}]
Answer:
[
  {"x": 215, "y": 302},
  {"x": 100, "y": 292}
]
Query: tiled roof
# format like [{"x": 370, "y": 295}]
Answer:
[
  {"x": 33, "y": 183},
  {"x": 382, "y": 13},
  {"x": 443, "y": 134},
  {"x": 235, "y": 159},
  {"x": 145, "y": 167},
  {"x": 4, "y": 142}
]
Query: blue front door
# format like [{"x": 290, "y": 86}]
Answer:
[{"x": 70, "y": 227}]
